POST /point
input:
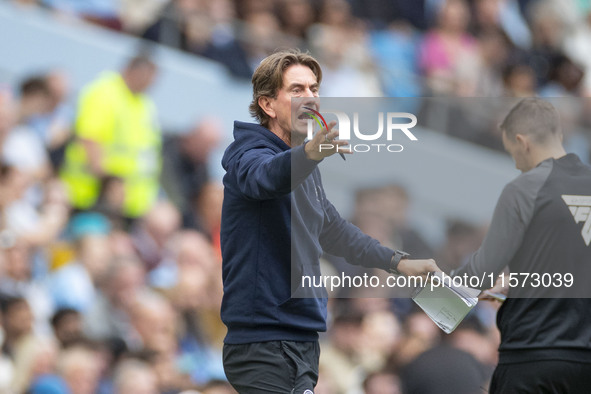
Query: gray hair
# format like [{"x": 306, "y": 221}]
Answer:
[{"x": 534, "y": 117}]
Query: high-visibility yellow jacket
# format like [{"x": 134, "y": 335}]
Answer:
[{"x": 125, "y": 127}]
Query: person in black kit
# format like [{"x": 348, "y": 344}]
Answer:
[{"x": 541, "y": 225}]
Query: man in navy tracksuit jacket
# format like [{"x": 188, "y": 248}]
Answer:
[{"x": 276, "y": 222}]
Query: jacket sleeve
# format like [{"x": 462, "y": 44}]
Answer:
[
  {"x": 341, "y": 238},
  {"x": 263, "y": 174},
  {"x": 511, "y": 218}
]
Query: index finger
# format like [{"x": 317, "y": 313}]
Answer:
[{"x": 329, "y": 127}]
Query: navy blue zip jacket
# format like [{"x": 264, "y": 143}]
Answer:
[{"x": 276, "y": 222}]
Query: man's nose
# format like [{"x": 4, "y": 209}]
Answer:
[{"x": 310, "y": 101}]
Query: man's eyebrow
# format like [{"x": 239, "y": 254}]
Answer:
[
  {"x": 301, "y": 85},
  {"x": 295, "y": 85}
]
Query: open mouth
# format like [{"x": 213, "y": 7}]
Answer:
[
  {"x": 308, "y": 112},
  {"x": 304, "y": 116}
]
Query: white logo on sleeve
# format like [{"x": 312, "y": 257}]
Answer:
[
  {"x": 580, "y": 208},
  {"x": 308, "y": 392}
]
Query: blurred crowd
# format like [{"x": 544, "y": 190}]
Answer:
[
  {"x": 110, "y": 278},
  {"x": 392, "y": 48},
  {"x": 110, "y": 267},
  {"x": 397, "y": 48}
]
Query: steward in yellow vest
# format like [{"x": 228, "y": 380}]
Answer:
[{"x": 117, "y": 135}]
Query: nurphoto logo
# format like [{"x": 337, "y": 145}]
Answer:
[{"x": 393, "y": 126}]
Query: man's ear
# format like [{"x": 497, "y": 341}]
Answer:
[
  {"x": 523, "y": 141},
  {"x": 266, "y": 104}
]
